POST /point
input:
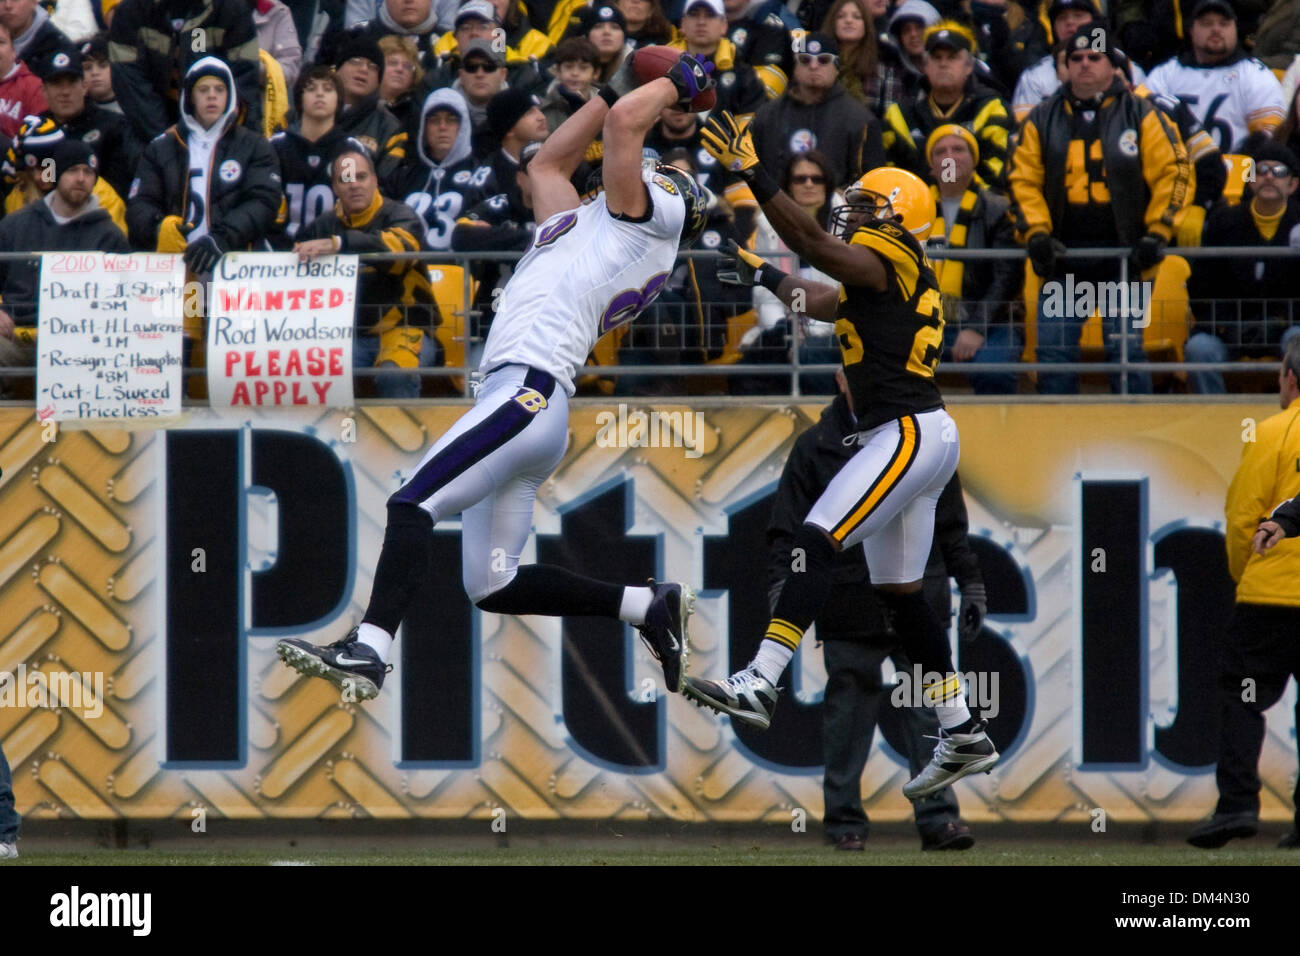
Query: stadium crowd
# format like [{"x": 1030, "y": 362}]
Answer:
[{"x": 211, "y": 126}]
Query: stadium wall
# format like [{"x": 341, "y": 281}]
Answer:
[{"x": 144, "y": 575}]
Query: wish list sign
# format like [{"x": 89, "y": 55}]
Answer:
[{"x": 109, "y": 339}]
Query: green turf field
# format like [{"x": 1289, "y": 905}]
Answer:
[{"x": 989, "y": 853}]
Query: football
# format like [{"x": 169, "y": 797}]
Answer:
[{"x": 652, "y": 62}]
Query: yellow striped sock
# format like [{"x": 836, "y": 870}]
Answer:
[
  {"x": 943, "y": 692},
  {"x": 784, "y": 633}
]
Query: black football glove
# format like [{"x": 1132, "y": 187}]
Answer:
[
  {"x": 691, "y": 77},
  {"x": 202, "y": 255},
  {"x": 740, "y": 267},
  {"x": 970, "y": 615},
  {"x": 1043, "y": 252},
  {"x": 1149, "y": 250}
]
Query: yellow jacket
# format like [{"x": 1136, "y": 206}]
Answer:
[
  {"x": 106, "y": 194},
  {"x": 1268, "y": 475}
]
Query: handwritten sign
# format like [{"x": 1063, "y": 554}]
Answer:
[
  {"x": 280, "y": 330},
  {"x": 109, "y": 340}
]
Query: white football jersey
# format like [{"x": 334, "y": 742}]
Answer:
[
  {"x": 585, "y": 274},
  {"x": 1231, "y": 101},
  {"x": 1040, "y": 81}
]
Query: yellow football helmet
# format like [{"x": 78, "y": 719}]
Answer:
[{"x": 887, "y": 193}]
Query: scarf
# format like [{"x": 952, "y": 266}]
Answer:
[{"x": 950, "y": 271}]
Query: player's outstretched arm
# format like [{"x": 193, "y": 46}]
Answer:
[
  {"x": 625, "y": 128},
  {"x": 551, "y": 170},
  {"x": 744, "y": 268},
  {"x": 732, "y": 144}
]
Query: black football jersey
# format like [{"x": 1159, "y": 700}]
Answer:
[
  {"x": 304, "y": 170},
  {"x": 890, "y": 341}
]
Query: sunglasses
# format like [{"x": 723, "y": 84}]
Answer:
[
  {"x": 821, "y": 59},
  {"x": 1090, "y": 57},
  {"x": 478, "y": 67},
  {"x": 1276, "y": 170},
  {"x": 815, "y": 178}
]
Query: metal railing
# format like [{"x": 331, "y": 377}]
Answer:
[{"x": 794, "y": 370}]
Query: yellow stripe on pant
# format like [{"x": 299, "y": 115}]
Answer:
[{"x": 902, "y": 459}]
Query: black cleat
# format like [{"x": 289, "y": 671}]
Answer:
[
  {"x": 348, "y": 664},
  {"x": 664, "y": 630}
]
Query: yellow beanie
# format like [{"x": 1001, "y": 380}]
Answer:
[{"x": 952, "y": 129}]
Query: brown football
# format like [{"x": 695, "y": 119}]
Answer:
[{"x": 652, "y": 62}]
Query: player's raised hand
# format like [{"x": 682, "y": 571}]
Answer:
[
  {"x": 1269, "y": 535},
  {"x": 740, "y": 267},
  {"x": 691, "y": 77},
  {"x": 729, "y": 143}
]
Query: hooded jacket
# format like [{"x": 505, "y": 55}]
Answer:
[
  {"x": 149, "y": 56},
  {"x": 839, "y": 126},
  {"x": 34, "y": 229},
  {"x": 21, "y": 96},
  {"x": 440, "y": 191},
  {"x": 239, "y": 186}
]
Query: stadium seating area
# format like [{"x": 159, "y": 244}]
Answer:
[{"x": 446, "y": 95}]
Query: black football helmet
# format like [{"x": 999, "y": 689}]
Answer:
[{"x": 694, "y": 195}]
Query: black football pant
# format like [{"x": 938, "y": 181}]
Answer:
[{"x": 1262, "y": 654}]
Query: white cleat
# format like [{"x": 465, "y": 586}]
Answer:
[{"x": 956, "y": 756}]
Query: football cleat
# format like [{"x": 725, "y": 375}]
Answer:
[
  {"x": 348, "y": 664},
  {"x": 8, "y": 851},
  {"x": 956, "y": 756},
  {"x": 747, "y": 696},
  {"x": 664, "y": 630}
]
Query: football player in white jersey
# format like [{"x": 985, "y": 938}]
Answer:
[
  {"x": 1231, "y": 93},
  {"x": 590, "y": 269}
]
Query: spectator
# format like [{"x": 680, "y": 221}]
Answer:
[
  {"x": 979, "y": 294},
  {"x": 863, "y": 74},
  {"x": 396, "y": 310},
  {"x": 576, "y": 62},
  {"x": 481, "y": 76},
  {"x": 106, "y": 132},
  {"x": 20, "y": 91},
  {"x": 1232, "y": 94},
  {"x": 1288, "y": 133},
  {"x": 955, "y": 96},
  {"x": 646, "y": 23},
  {"x": 760, "y": 35},
  {"x": 816, "y": 113},
  {"x": 856, "y": 639},
  {"x": 277, "y": 36},
  {"x": 360, "y": 65},
  {"x": 503, "y": 221},
  {"x": 1277, "y": 41},
  {"x": 1260, "y": 650},
  {"x": 305, "y": 149},
  {"x": 28, "y": 164},
  {"x": 208, "y": 187},
  {"x": 907, "y": 33},
  {"x": 514, "y": 120},
  {"x": 145, "y": 74},
  {"x": 1010, "y": 52},
  {"x": 68, "y": 219},
  {"x": 34, "y": 37},
  {"x": 1043, "y": 78},
  {"x": 678, "y": 129},
  {"x": 98, "y": 74},
  {"x": 704, "y": 28},
  {"x": 401, "y": 78},
  {"x": 416, "y": 20},
  {"x": 1154, "y": 30},
  {"x": 530, "y": 43},
  {"x": 606, "y": 30},
  {"x": 1125, "y": 189},
  {"x": 1244, "y": 307},
  {"x": 444, "y": 179}
]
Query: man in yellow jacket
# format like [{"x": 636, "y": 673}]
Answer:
[{"x": 1263, "y": 648}]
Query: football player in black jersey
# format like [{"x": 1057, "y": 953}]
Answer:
[{"x": 889, "y": 323}]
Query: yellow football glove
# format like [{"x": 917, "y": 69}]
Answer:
[
  {"x": 171, "y": 234},
  {"x": 730, "y": 143}
]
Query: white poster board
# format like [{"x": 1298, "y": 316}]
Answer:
[
  {"x": 280, "y": 330},
  {"x": 109, "y": 336}
]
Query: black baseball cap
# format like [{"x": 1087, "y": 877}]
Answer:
[
  {"x": 952, "y": 39},
  {"x": 63, "y": 61},
  {"x": 1093, "y": 37},
  {"x": 817, "y": 43},
  {"x": 1060, "y": 6},
  {"x": 1214, "y": 6}
]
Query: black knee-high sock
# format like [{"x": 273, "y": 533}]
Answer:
[
  {"x": 806, "y": 589},
  {"x": 919, "y": 630},
  {"x": 556, "y": 592},
  {"x": 403, "y": 565}
]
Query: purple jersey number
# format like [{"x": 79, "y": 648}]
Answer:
[
  {"x": 552, "y": 231},
  {"x": 627, "y": 305}
]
